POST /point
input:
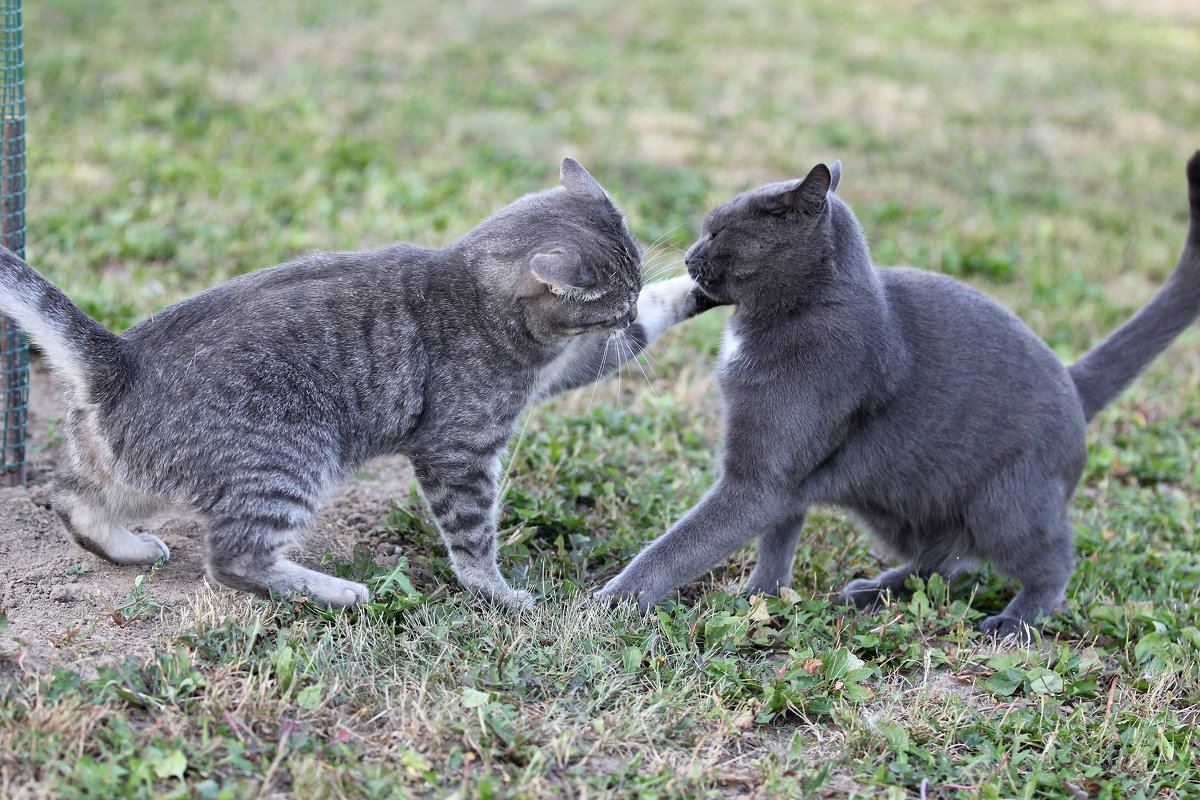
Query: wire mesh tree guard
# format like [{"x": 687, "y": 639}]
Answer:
[{"x": 14, "y": 348}]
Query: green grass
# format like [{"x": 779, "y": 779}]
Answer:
[{"x": 1035, "y": 150}]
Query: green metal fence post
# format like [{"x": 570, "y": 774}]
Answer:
[{"x": 14, "y": 349}]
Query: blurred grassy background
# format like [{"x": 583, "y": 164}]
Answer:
[{"x": 1035, "y": 150}]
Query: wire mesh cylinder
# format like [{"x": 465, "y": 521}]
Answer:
[{"x": 14, "y": 349}]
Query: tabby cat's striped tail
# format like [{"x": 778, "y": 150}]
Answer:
[{"x": 78, "y": 348}]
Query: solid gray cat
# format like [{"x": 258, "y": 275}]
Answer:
[
  {"x": 933, "y": 414},
  {"x": 248, "y": 402}
]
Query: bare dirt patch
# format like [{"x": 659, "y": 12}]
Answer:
[{"x": 60, "y": 600}]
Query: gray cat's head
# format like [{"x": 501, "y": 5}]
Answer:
[
  {"x": 572, "y": 265},
  {"x": 767, "y": 240}
]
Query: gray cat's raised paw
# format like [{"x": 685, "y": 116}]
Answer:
[
  {"x": 863, "y": 594},
  {"x": 1009, "y": 629}
]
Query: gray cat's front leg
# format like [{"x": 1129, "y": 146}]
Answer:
[
  {"x": 776, "y": 552},
  {"x": 724, "y": 519},
  {"x": 462, "y": 497},
  {"x": 867, "y": 594}
]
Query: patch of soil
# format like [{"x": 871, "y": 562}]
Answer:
[{"x": 59, "y": 598}]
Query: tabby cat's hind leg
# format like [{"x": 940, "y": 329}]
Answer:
[
  {"x": 94, "y": 519},
  {"x": 246, "y": 553}
]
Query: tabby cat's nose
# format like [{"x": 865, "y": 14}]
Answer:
[{"x": 632, "y": 313}]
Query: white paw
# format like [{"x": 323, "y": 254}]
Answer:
[
  {"x": 335, "y": 592},
  {"x": 518, "y": 599},
  {"x": 154, "y": 548},
  {"x": 662, "y": 304}
]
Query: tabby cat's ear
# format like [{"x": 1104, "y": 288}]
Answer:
[
  {"x": 806, "y": 196},
  {"x": 578, "y": 182},
  {"x": 562, "y": 272}
]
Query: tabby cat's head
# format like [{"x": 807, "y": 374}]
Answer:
[
  {"x": 574, "y": 267},
  {"x": 767, "y": 240}
]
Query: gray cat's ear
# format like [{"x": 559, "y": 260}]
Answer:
[
  {"x": 578, "y": 182},
  {"x": 836, "y": 175},
  {"x": 562, "y": 272},
  {"x": 806, "y": 196}
]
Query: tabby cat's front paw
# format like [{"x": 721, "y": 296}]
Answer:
[
  {"x": 863, "y": 594},
  {"x": 154, "y": 549},
  {"x": 519, "y": 599},
  {"x": 327, "y": 591},
  {"x": 515, "y": 599}
]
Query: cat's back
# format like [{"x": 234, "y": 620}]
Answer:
[
  {"x": 952, "y": 323},
  {"x": 313, "y": 293},
  {"x": 323, "y": 349},
  {"x": 980, "y": 381}
]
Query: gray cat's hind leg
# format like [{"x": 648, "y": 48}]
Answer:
[
  {"x": 776, "y": 554},
  {"x": 1031, "y": 540},
  {"x": 245, "y": 553},
  {"x": 1043, "y": 564},
  {"x": 462, "y": 497},
  {"x": 94, "y": 519}
]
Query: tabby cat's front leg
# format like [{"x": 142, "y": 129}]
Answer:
[
  {"x": 462, "y": 496},
  {"x": 660, "y": 306}
]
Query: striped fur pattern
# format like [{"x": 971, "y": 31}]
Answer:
[
  {"x": 247, "y": 403},
  {"x": 912, "y": 400}
]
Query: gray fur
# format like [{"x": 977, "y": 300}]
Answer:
[
  {"x": 249, "y": 402},
  {"x": 933, "y": 414}
]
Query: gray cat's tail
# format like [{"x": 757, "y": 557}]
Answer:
[
  {"x": 78, "y": 348},
  {"x": 1110, "y": 366}
]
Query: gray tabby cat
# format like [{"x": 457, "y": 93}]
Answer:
[
  {"x": 248, "y": 402},
  {"x": 933, "y": 414}
]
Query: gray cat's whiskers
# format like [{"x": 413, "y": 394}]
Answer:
[{"x": 663, "y": 237}]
